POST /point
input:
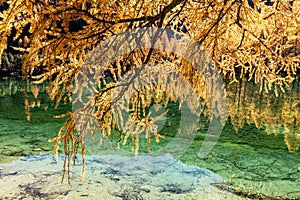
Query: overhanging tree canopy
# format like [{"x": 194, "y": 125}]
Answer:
[{"x": 253, "y": 39}]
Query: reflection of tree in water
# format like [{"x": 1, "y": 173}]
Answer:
[
  {"x": 11, "y": 86},
  {"x": 278, "y": 114},
  {"x": 257, "y": 40}
]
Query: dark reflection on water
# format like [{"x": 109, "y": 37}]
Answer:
[
  {"x": 41, "y": 107},
  {"x": 277, "y": 113},
  {"x": 18, "y": 136}
]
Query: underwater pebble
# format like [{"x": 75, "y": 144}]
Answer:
[
  {"x": 145, "y": 189},
  {"x": 45, "y": 149},
  {"x": 12, "y": 174},
  {"x": 115, "y": 178},
  {"x": 65, "y": 193},
  {"x": 20, "y": 197},
  {"x": 23, "y": 158},
  {"x": 26, "y": 152}
]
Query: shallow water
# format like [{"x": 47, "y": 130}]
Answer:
[
  {"x": 255, "y": 165},
  {"x": 18, "y": 136}
]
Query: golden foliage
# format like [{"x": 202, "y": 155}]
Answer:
[
  {"x": 278, "y": 113},
  {"x": 259, "y": 44},
  {"x": 71, "y": 141},
  {"x": 262, "y": 41}
]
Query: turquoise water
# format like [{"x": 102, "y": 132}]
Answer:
[
  {"x": 18, "y": 136},
  {"x": 256, "y": 165}
]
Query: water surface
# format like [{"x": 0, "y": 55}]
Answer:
[{"x": 252, "y": 153}]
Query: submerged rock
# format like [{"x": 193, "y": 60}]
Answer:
[{"x": 143, "y": 177}]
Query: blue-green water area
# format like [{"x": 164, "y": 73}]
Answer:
[{"x": 255, "y": 165}]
